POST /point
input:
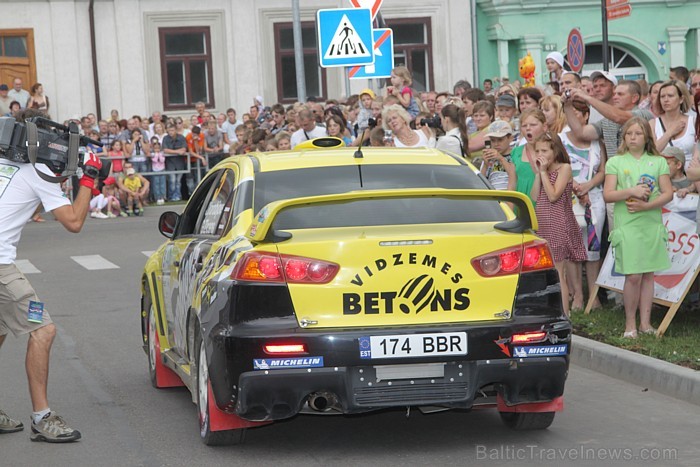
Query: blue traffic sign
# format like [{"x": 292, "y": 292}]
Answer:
[
  {"x": 383, "y": 57},
  {"x": 575, "y": 50},
  {"x": 345, "y": 37}
]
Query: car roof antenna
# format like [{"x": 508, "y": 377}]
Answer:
[{"x": 358, "y": 153}]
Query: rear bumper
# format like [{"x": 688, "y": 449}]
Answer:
[
  {"x": 278, "y": 394},
  {"x": 273, "y": 394}
]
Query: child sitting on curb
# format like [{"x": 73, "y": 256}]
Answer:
[
  {"x": 133, "y": 186},
  {"x": 107, "y": 199}
]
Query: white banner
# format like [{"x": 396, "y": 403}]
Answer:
[{"x": 683, "y": 250}]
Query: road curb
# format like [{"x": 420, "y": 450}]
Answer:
[{"x": 666, "y": 378}]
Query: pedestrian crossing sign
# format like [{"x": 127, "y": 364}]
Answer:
[{"x": 345, "y": 37}]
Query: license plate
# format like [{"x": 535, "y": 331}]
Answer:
[{"x": 413, "y": 345}]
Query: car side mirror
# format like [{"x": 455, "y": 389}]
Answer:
[{"x": 168, "y": 223}]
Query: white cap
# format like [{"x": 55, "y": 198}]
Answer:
[
  {"x": 604, "y": 74},
  {"x": 557, "y": 57}
]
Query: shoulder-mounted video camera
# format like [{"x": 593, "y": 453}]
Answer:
[{"x": 38, "y": 140}]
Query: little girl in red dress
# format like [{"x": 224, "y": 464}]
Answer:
[{"x": 557, "y": 224}]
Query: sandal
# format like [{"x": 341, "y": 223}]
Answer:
[
  {"x": 648, "y": 331},
  {"x": 630, "y": 334}
]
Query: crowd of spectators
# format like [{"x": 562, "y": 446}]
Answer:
[{"x": 505, "y": 130}]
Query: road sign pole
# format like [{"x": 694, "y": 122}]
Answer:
[
  {"x": 346, "y": 72},
  {"x": 604, "y": 14},
  {"x": 298, "y": 52}
]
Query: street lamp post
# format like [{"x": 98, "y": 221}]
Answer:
[{"x": 298, "y": 52}]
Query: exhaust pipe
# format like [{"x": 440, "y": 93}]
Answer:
[{"x": 322, "y": 401}]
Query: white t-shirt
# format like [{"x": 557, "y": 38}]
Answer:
[
  {"x": 230, "y": 129},
  {"x": 582, "y": 158},
  {"x": 300, "y": 136},
  {"x": 21, "y": 191}
]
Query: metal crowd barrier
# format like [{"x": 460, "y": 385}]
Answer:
[
  {"x": 198, "y": 166},
  {"x": 198, "y": 174}
]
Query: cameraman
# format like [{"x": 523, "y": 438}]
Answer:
[{"x": 21, "y": 312}]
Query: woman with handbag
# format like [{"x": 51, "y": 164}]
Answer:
[{"x": 588, "y": 170}]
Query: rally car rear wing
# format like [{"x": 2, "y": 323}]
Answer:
[{"x": 520, "y": 220}]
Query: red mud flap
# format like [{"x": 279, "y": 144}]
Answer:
[
  {"x": 556, "y": 405},
  {"x": 165, "y": 377},
  {"x": 220, "y": 420}
]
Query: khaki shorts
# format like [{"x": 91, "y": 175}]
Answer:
[{"x": 15, "y": 294}]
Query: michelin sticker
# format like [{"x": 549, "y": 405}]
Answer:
[
  {"x": 540, "y": 351},
  {"x": 279, "y": 363}
]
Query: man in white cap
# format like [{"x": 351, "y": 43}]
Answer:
[{"x": 555, "y": 66}]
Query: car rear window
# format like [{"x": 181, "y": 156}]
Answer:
[
  {"x": 398, "y": 211},
  {"x": 299, "y": 183}
]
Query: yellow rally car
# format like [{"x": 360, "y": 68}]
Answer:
[{"x": 344, "y": 281}]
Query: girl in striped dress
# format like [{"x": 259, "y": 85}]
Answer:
[{"x": 557, "y": 224}]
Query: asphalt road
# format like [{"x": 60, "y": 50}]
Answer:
[{"x": 99, "y": 383}]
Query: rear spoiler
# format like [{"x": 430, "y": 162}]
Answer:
[{"x": 261, "y": 228}]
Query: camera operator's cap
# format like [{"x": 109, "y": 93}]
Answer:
[
  {"x": 369, "y": 92},
  {"x": 499, "y": 129},
  {"x": 604, "y": 74},
  {"x": 110, "y": 180},
  {"x": 557, "y": 57},
  {"x": 505, "y": 100},
  {"x": 672, "y": 152},
  {"x": 3, "y": 87},
  {"x": 130, "y": 171}
]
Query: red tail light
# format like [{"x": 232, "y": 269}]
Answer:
[
  {"x": 275, "y": 349},
  {"x": 533, "y": 256},
  {"x": 261, "y": 266},
  {"x": 528, "y": 337}
]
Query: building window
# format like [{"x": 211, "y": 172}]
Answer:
[
  {"x": 413, "y": 49},
  {"x": 286, "y": 63},
  {"x": 185, "y": 56},
  {"x": 17, "y": 56},
  {"x": 622, "y": 63}
]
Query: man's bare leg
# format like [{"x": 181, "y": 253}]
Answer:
[{"x": 37, "y": 364}]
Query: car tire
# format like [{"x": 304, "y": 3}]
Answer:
[
  {"x": 210, "y": 438},
  {"x": 153, "y": 347},
  {"x": 527, "y": 420}
]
